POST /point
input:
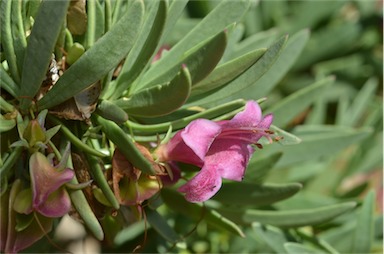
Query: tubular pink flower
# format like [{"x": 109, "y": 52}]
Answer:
[
  {"x": 49, "y": 196},
  {"x": 222, "y": 149}
]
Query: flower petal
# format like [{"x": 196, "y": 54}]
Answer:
[
  {"x": 202, "y": 186},
  {"x": 45, "y": 178},
  {"x": 57, "y": 205},
  {"x": 191, "y": 144},
  {"x": 229, "y": 157},
  {"x": 199, "y": 135},
  {"x": 250, "y": 116}
]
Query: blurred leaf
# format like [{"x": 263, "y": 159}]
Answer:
[
  {"x": 96, "y": 62},
  {"x": 77, "y": 17},
  {"x": 6, "y": 124},
  {"x": 288, "y": 108},
  {"x": 176, "y": 202},
  {"x": 272, "y": 236},
  {"x": 159, "y": 223},
  {"x": 40, "y": 46},
  {"x": 129, "y": 233},
  {"x": 359, "y": 105},
  {"x": 295, "y": 248},
  {"x": 259, "y": 166},
  {"x": 144, "y": 47},
  {"x": 317, "y": 145},
  {"x": 363, "y": 234},
  {"x": 159, "y": 100},
  {"x": 297, "y": 218},
  {"x": 233, "y": 193}
]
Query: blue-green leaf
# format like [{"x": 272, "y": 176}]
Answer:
[
  {"x": 40, "y": 48},
  {"x": 159, "y": 100},
  {"x": 102, "y": 57}
]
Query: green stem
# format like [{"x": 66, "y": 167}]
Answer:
[
  {"x": 91, "y": 29},
  {"x": 108, "y": 15}
]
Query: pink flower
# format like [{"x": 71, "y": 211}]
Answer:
[
  {"x": 49, "y": 197},
  {"x": 222, "y": 149}
]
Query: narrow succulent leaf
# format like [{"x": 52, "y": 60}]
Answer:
[
  {"x": 181, "y": 123},
  {"x": 285, "y": 110},
  {"x": 363, "y": 234},
  {"x": 51, "y": 132},
  {"x": 91, "y": 24},
  {"x": 226, "y": 72},
  {"x": 257, "y": 195},
  {"x": 129, "y": 233},
  {"x": 318, "y": 145},
  {"x": 259, "y": 167},
  {"x": 7, "y": 83},
  {"x": 272, "y": 236},
  {"x": 159, "y": 100},
  {"x": 359, "y": 104},
  {"x": 288, "y": 57},
  {"x": 6, "y": 124},
  {"x": 85, "y": 211},
  {"x": 109, "y": 110},
  {"x": 5, "y": 106},
  {"x": 226, "y": 13},
  {"x": 98, "y": 175},
  {"x": 40, "y": 47},
  {"x": 18, "y": 33},
  {"x": 298, "y": 218},
  {"x": 10, "y": 161},
  {"x": 200, "y": 61},
  {"x": 75, "y": 140},
  {"x": 122, "y": 140},
  {"x": 196, "y": 211},
  {"x": 159, "y": 224},
  {"x": 248, "y": 78},
  {"x": 175, "y": 10},
  {"x": 7, "y": 40},
  {"x": 287, "y": 138},
  {"x": 144, "y": 48},
  {"x": 97, "y": 61},
  {"x": 294, "y": 248}
]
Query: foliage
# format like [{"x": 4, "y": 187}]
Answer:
[{"x": 110, "y": 74}]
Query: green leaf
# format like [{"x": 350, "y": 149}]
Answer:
[
  {"x": 18, "y": 33},
  {"x": 7, "y": 40},
  {"x": 159, "y": 100},
  {"x": 159, "y": 223},
  {"x": 259, "y": 166},
  {"x": 181, "y": 123},
  {"x": 291, "y": 106},
  {"x": 102, "y": 57},
  {"x": 7, "y": 83},
  {"x": 129, "y": 233},
  {"x": 316, "y": 144},
  {"x": 298, "y": 218},
  {"x": 144, "y": 48},
  {"x": 226, "y": 13},
  {"x": 246, "y": 193},
  {"x": 196, "y": 211},
  {"x": 40, "y": 46},
  {"x": 363, "y": 234},
  {"x": 279, "y": 69},
  {"x": 248, "y": 78},
  {"x": 109, "y": 110},
  {"x": 359, "y": 105},
  {"x": 272, "y": 236},
  {"x": 200, "y": 61},
  {"x": 226, "y": 72},
  {"x": 6, "y": 124},
  {"x": 122, "y": 140},
  {"x": 294, "y": 248},
  {"x": 85, "y": 211},
  {"x": 98, "y": 174}
]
